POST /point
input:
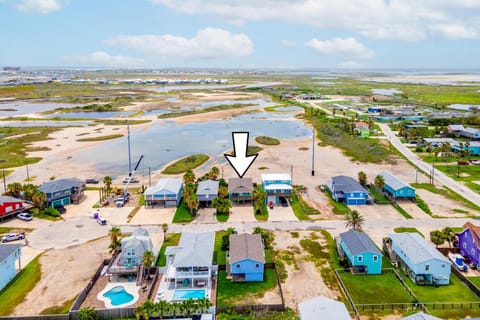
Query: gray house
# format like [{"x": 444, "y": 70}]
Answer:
[
  {"x": 63, "y": 191},
  {"x": 323, "y": 308},
  {"x": 166, "y": 193},
  {"x": 240, "y": 190},
  {"x": 207, "y": 190}
]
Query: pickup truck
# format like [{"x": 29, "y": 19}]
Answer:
[
  {"x": 13, "y": 236},
  {"x": 122, "y": 200},
  {"x": 131, "y": 180}
]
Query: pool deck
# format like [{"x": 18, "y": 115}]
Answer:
[
  {"x": 166, "y": 290},
  {"x": 130, "y": 287}
]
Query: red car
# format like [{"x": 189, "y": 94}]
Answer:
[
  {"x": 270, "y": 204},
  {"x": 463, "y": 163}
]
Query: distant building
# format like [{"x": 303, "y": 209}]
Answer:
[
  {"x": 362, "y": 128},
  {"x": 396, "y": 187},
  {"x": 455, "y": 129},
  {"x": 63, "y": 191},
  {"x": 276, "y": 185},
  {"x": 10, "y": 205},
  {"x": 11, "y": 69},
  {"x": 473, "y": 148},
  {"x": 207, "y": 190},
  {"x": 438, "y": 141},
  {"x": 362, "y": 254},
  {"x": 166, "y": 193},
  {"x": 240, "y": 190},
  {"x": 469, "y": 242},
  {"x": 471, "y": 133},
  {"x": 348, "y": 190},
  {"x": 9, "y": 254},
  {"x": 246, "y": 257},
  {"x": 323, "y": 308}
]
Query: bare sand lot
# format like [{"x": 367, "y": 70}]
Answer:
[{"x": 65, "y": 273}]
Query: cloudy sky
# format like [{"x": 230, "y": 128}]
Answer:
[{"x": 241, "y": 33}]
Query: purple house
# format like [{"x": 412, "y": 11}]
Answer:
[{"x": 469, "y": 242}]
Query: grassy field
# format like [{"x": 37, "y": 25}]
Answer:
[
  {"x": 4, "y": 230},
  {"x": 269, "y": 141},
  {"x": 475, "y": 281},
  {"x": 371, "y": 289},
  {"x": 187, "y": 163},
  {"x": 300, "y": 208},
  {"x": 60, "y": 309},
  {"x": 339, "y": 208},
  {"x": 121, "y": 122},
  {"x": 101, "y": 138},
  {"x": 404, "y": 229},
  {"x": 16, "y": 291},
  {"x": 446, "y": 192},
  {"x": 288, "y": 314},
  {"x": 172, "y": 240},
  {"x": 203, "y": 110},
  {"x": 401, "y": 211},
  {"x": 219, "y": 256},
  {"x": 237, "y": 293},
  {"x": 182, "y": 214},
  {"x": 378, "y": 196},
  {"x": 468, "y": 174},
  {"x": 263, "y": 216}
]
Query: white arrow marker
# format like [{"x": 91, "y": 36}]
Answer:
[{"x": 240, "y": 161}]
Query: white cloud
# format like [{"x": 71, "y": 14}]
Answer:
[
  {"x": 344, "y": 46},
  {"x": 349, "y": 65},
  {"x": 394, "y": 19},
  {"x": 456, "y": 31},
  {"x": 208, "y": 43},
  {"x": 103, "y": 59},
  {"x": 40, "y": 6},
  {"x": 288, "y": 43}
]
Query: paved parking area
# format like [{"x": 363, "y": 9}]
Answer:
[
  {"x": 205, "y": 215},
  {"x": 241, "y": 214},
  {"x": 281, "y": 214},
  {"x": 153, "y": 216}
]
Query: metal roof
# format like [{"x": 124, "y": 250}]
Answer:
[
  {"x": 7, "y": 249},
  {"x": 358, "y": 242},
  {"x": 208, "y": 187},
  {"x": 167, "y": 185},
  {"x": 416, "y": 248},
  {"x": 323, "y": 308},
  {"x": 346, "y": 184},
  {"x": 456, "y": 127},
  {"x": 61, "y": 184},
  {"x": 279, "y": 186},
  {"x": 471, "y": 130},
  {"x": 392, "y": 181},
  {"x": 9, "y": 199},
  {"x": 275, "y": 177},
  {"x": 240, "y": 185},
  {"x": 246, "y": 246},
  {"x": 194, "y": 249},
  {"x": 140, "y": 240},
  {"x": 420, "y": 316}
]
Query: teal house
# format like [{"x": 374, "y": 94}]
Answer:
[
  {"x": 63, "y": 191},
  {"x": 246, "y": 257},
  {"x": 362, "y": 254},
  {"x": 396, "y": 187},
  {"x": 278, "y": 187},
  {"x": 9, "y": 254}
]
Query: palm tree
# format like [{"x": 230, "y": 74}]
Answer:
[
  {"x": 29, "y": 190},
  {"x": 189, "y": 176},
  {"x": 467, "y": 150},
  {"x": 362, "y": 178},
  {"x": 222, "y": 205},
  {"x": 448, "y": 235},
  {"x": 258, "y": 197},
  {"x": 379, "y": 182},
  {"x": 354, "y": 220},
  {"x": 165, "y": 229},
  {"x": 214, "y": 172},
  {"x": 148, "y": 258},
  {"x": 14, "y": 189},
  {"x": 161, "y": 308},
  {"x": 115, "y": 234},
  {"x": 436, "y": 151},
  {"x": 107, "y": 181},
  {"x": 226, "y": 238},
  {"x": 222, "y": 192},
  {"x": 38, "y": 199},
  {"x": 87, "y": 313},
  {"x": 437, "y": 237},
  {"x": 192, "y": 202}
]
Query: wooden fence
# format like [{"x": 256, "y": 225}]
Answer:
[
  {"x": 39, "y": 317},
  {"x": 467, "y": 282},
  {"x": 83, "y": 295},
  {"x": 347, "y": 294}
]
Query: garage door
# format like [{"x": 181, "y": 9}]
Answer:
[
  {"x": 170, "y": 203},
  {"x": 272, "y": 199}
]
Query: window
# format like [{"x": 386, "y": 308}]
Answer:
[
  {"x": 443, "y": 265},
  {"x": 375, "y": 258},
  {"x": 257, "y": 265},
  {"x": 464, "y": 245},
  {"x": 360, "y": 259},
  {"x": 238, "y": 266},
  {"x": 473, "y": 251},
  {"x": 427, "y": 267}
]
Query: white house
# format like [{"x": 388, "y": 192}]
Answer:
[{"x": 167, "y": 193}]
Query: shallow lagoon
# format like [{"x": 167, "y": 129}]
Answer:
[{"x": 24, "y": 108}]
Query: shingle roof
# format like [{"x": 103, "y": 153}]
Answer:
[
  {"x": 194, "y": 249},
  {"x": 246, "y": 246},
  {"x": 323, "y": 308},
  {"x": 208, "y": 187},
  {"x": 61, "y": 184},
  {"x": 393, "y": 181},
  {"x": 416, "y": 248},
  {"x": 240, "y": 185},
  {"x": 358, "y": 242},
  {"x": 7, "y": 249},
  {"x": 474, "y": 230},
  {"x": 9, "y": 199},
  {"x": 167, "y": 185},
  {"x": 346, "y": 184}
]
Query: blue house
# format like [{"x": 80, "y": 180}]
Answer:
[
  {"x": 469, "y": 242},
  {"x": 396, "y": 187},
  {"x": 360, "y": 251},
  {"x": 9, "y": 254},
  {"x": 63, "y": 191},
  {"x": 276, "y": 186},
  {"x": 166, "y": 193},
  {"x": 348, "y": 190},
  {"x": 424, "y": 264},
  {"x": 246, "y": 257},
  {"x": 473, "y": 148}
]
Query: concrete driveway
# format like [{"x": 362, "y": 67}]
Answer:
[
  {"x": 153, "y": 216},
  {"x": 378, "y": 211},
  {"x": 205, "y": 215},
  {"x": 242, "y": 214},
  {"x": 281, "y": 214}
]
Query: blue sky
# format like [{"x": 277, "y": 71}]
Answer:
[{"x": 241, "y": 33}]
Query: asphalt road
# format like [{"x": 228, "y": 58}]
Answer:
[{"x": 438, "y": 176}]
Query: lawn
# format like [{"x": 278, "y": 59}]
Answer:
[
  {"x": 403, "y": 229},
  {"x": 263, "y": 216},
  {"x": 182, "y": 214},
  {"x": 240, "y": 293},
  {"x": 402, "y": 211},
  {"x": 373, "y": 289},
  {"x": 219, "y": 256},
  {"x": 187, "y": 163},
  {"x": 16, "y": 291},
  {"x": 172, "y": 240},
  {"x": 446, "y": 192},
  {"x": 468, "y": 174},
  {"x": 378, "y": 196},
  {"x": 475, "y": 281},
  {"x": 288, "y": 314},
  {"x": 222, "y": 217},
  {"x": 60, "y": 309},
  {"x": 101, "y": 138},
  {"x": 338, "y": 207},
  {"x": 423, "y": 205},
  {"x": 300, "y": 208},
  {"x": 267, "y": 140}
]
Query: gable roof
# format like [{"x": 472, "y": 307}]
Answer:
[
  {"x": 420, "y": 316},
  {"x": 61, "y": 184},
  {"x": 361, "y": 125},
  {"x": 472, "y": 130},
  {"x": 392, "y": 181},
  {"x": 9, "y": 199},
  {"x": 194, "y": 249},
  {"x": 240, "y": 185},
  {"x": 276, "y": 177},
  {"x": 416, "y": 248},
  {"x": 474, "y": 231},
  {"x": 456, "y": 127},
  {"x": 7, "y": 249},
  {"x": 140, "y": 240},
  {"x": 323, "y": 308},
  {"x": 166, "y": 185},
  {"x": 346, "y": 184},
  {"x": 246, "y": 246},
  {"x": 208, "y": 187},
  {"x": 358, "y": 242}
]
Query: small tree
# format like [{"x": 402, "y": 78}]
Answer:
[
  {"x": 226, "y": 238},
  {"x": 191, "y": 201},
  {"x": 189, "y": 176},
  {"x": 165, "y": 229},
  {"x": 14, "y": 189},
  {"x": 354, "y": 220},
  {"x": 38, "y": 199},
  {"x": 448, "y": 235},
  {"x": 214, "y": 172},
  {"x": 267, "y": 236},
  {"x": 259, "y": 196},
  {"x": 148, "y": 259},
  {"x": 437, "y": 237},
  {"x": 222, "y": 205},
  {"x": 107, "y": 181},
  {"x": 115, "y": 234},
  {"x": 362, "y": 178},
  {"x": 379, "y": 182},
  {"x": 87, "y": 313}
]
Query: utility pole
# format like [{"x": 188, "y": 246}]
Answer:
[
  {"x": 291, "y": 174},
  {"x": 4, "y": 182},
  {"x": 149, "y": 177},
  {"x": 313, "y": 151},
  {"x": 416, "y": 173},
  {"x": 433, "y": 173},
  {"x": 129, "y": 156},
  {"x": 28, "y": 176}
]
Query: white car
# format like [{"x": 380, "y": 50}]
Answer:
[
  {"x": 25, "y": 216},
  {"x": 131, "y": 180},
  {"x": 102, "y": 221}
]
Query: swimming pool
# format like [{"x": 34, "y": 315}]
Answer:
[
  {"x": 189, "y": 294},
  {"x": 118, "y": 295}
]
